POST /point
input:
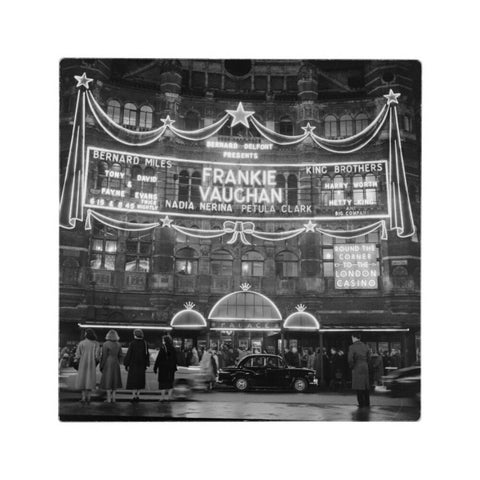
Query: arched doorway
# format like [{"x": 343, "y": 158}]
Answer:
[{"x": 245, "y": 320}]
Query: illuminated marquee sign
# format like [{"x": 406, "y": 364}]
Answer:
[
  {"x": 125, "y": 181},
  {"x": 356, "y": 266}
]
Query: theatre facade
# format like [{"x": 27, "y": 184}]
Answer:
[{"x": 259, "y": 204}]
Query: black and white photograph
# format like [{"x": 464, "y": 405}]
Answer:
[{"x": 240, "y": 239}]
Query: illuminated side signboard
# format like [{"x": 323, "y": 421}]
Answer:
[
  {"x": 356, "y": 266},
  {"x": 123, "y": 181}
]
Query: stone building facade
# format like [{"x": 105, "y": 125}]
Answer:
[{"x": 113, "y": 277}]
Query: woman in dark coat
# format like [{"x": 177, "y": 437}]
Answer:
[
  {"x": 166, "y": 365},
  {"x": 136, "y": 362},
  {"x": 110, "y": 366},
  {"x": 358, "y": 359}
]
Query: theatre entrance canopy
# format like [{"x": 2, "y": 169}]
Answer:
[{"x": 245, "y": 310}]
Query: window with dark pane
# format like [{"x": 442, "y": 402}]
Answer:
[
  {"x": 221, "y": 263},
  {"x": 286, "y": 126},
  {"x": 138, "y": 251},
  {"x": 183, "y": 186},
  {"x": 286, "y": 264},
  {"x": 361, "y": 122},
  {"x": 346, "y": 126},
  {"x": 113, "y": 110},
  {"x": 130, "y": 115},
  {"x": 252, "y": 264},
  {"x": 330, "y": 123},
  {"x": 145, "y": 119},
  {"x": 186, "y": 262},
  {"x": 103, "y": 248},
  {"x": 292, "y": 183}
]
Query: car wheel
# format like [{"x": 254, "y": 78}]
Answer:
[
  {"x": 241, "y": 384},
  {"x": 300, "y": 385}
]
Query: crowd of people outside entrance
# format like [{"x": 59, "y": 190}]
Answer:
[{"x": 89, "y": 354}]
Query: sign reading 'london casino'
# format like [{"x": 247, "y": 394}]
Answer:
[{"x": 123, "y": 181}]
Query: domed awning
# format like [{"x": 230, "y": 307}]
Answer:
[
  {"x": 188, "y": 318},
  {"x": 245, "y": 306},
  {"x": 301, "y": 320}
]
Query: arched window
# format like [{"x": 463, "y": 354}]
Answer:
[
  {"x": 195, "y": 188},
  {"x": 113, "y": 110},
  {"x": 371, "y": 189},
  {"x": 102, "y": 174},
  {"x": 69, "y": 272},
  {"x": 147, "y": 185},
  {"x": 339, "y": 188},
  {"x": 103, "y": 248},
  {"x": 330, "y": 126},
  {"x": 130, "y": 115},
  {"x": 252, "y": 264},
  {"x": 286, "y": 126},
  {"x": 357, "y": 189},
  {"x": 145, "y": 119},
  {"x": 326, "y": 190},
  {"x": 361, "y": 122},
  {"x": 186, "y": 262},
  {"x": 112, "y": 176},
  {"x": 292, "y": 184},
  {"x": 139, "y": 250},
  {"x": 346, "y": 126},
  {"x": 286, "y": 264},
  {"x": 183, "y": 186},
  {"x": 221, "y": 263},
  {"x": 191, "y": 121}
]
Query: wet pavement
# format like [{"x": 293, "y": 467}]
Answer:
[{"x": 249, "y": 406}]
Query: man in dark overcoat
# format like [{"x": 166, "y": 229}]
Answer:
[{"x": 358, "y": 359}]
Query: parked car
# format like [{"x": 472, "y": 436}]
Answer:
[
  {"x": 404, "y": 381},
  {"x": 266, "y": 371}
]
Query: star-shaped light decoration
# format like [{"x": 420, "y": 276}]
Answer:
[
  {"x": 308, "y": 129},
  {"x": 301, "y": 307},
  {"x": 83, "y": 81},
  {"x": 189, "y": 305},
  {"x": 167, "y": 122},
  {"x": 240, "y": 115},
  {"x": 245, "y": 287},
  {"x": 166, "y": 222},
  {"x": 392, "y": 97},
  {"x": 309, "y": 227}
]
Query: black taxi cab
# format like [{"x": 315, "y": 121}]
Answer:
[{"x": 266, "y": 371}]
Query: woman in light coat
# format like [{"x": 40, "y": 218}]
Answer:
[
  {"x": 87, "y": 356},
  {"x": 110, "y": 366}
]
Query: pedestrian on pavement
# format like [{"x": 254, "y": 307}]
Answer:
[
  {"x": 377, "y": 366},
  {"x": 194, "y": 361},
  {"x": 136, "y": 362},
  {"x": 317, "y": 365},
  {"x": 166, "y": 365},
  {"x": 310, "y": 359},
  {"x": 208, "y": 365},
  {"x": 87, "y": 356},
  {"x": 111, "y": 380},
  {"x": 358, "y": 359}
]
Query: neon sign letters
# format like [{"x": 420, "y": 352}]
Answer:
[{"x": 236, "y": 191}]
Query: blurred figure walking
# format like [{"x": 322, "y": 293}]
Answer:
[
  {"x": 377, "y": 366},
  {"x": 136, "y": 361},
  {"x": 111, "y": 380},
  {"x": 208, "y": 366},
  {"x": 166, "y": 365},
  {"x": 358, "y": 359},
  {"x": 87, "y": 357}
]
